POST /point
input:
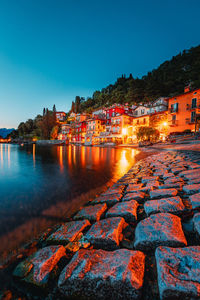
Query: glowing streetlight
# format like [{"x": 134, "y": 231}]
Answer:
[{"x": 124, "y": 131}]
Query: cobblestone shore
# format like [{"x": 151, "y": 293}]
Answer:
[{"x": 138, "y": 240}]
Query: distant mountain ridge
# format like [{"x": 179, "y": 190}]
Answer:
[{"x": 5, "y": 131}]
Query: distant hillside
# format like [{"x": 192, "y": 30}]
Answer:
[
  {"x": 168, "y": 79},
  {"x": 5, "y": 131}
]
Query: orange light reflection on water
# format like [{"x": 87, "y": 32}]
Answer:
[
  {"x": 61, "y": 159},
  {"x": 34, "y": 155},
  {"x": 2, "y": 155}
]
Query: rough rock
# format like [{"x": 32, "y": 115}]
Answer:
[
  {"x": 161, "y": 229},
  {"x": 127, "y": 210},
  {"x": 68, "y": 232},
  {"x": 189, "y": 173},
  {"x": 99, "y": 274},
  {"x": 172, "y": 205},
  {"x": 162, "y": 193},
  {"x": 153, "y": 184},
  {"x": 176, "y": 185},
  {"x": 178, "y": 272},
  {"x": 196, "y": 222},
  {"x": 133, "y": 187},
  {"x": 107, "y": 233},
  {"x": 146, "y": 179},
  {"x": 92, "y": 212},
  {"x": 195, "y": 200},
  {"x": 113, "y": 190},
  {"x": 36, "y": 269},
  {"x": 194, "y": 181},
  {"x": 139, "y": 196},
  {"x": 191, "y": 189},
  {"x": 108, "y": 199}
]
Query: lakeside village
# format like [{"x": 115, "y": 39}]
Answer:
[{"x": 120, "y": 124}]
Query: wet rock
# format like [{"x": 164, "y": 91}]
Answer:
[
  {"x": 79, "y": 242},
  {"x": 127, "y": 210},
  {"x": 146, "y": 179},
  {"x": 189, "y": 173},
  {"x": 194, "y": 181},
  {"x": 160, "y": 229},
  {"x": 133, "y": 187},
  {"x": 168, "y": 175},
  {"x": 107, "y": 233},
  {"x": 98, "y": 274},
  {"x": 113, "y": 190},
  {"x": 108, "y": 199},
  {"x": 37, "y": 268},
  {"x": 178, "y": 272},
  {"x": 191, "y": 189},
  {"x": 195, "y": 200},
  {"x": 153, "y": 184},
  {"x": 173, "y": 180},
  {"x": 177, "y": 185},
  {"x": 138, "y": 196},
  {"x": 196, "y": 222},
  {"x": 177, "y": 170},
  {"x": 162, "y": 193},
  {"x": 92, "y": 212},
  {"x": 68, "y": 232},
  {"x": 172, "y": 205}
]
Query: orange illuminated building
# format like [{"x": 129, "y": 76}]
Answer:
[{"x": 183, "y": 110}]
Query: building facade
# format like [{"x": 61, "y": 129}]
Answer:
[{"x": 183, "y": 110}]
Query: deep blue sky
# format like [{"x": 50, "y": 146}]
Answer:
[{"x": 53, "y": 50}]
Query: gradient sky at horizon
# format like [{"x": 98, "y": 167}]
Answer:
[{"x": 53, "y": 50}]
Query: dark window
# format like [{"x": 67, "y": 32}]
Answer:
[
  {"x": 194, "y": 102},
  {"x": 193, "y": 116}
]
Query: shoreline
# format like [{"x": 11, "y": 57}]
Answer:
[
  {"x": 56, "y": 210},
  {"x": 129, "y": 220}
]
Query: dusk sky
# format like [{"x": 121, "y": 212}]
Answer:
[{"x": 53, "y": 50}]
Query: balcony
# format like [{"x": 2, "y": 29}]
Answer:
[{"x": 173, "y": 110}]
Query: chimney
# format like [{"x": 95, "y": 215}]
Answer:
[{"x": 186, "y": 88}]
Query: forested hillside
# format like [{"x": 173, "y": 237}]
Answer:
[{"x": 167, "y": 80}]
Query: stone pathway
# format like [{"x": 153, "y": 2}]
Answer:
[{"x": 138, "y": 240}]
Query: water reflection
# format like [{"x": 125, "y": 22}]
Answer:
[{"x": 45, "y": 184}]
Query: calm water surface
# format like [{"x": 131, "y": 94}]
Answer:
[{"x": 40, "y": 186}]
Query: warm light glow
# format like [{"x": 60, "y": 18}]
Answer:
[
  {"x": 34, "y": 155},
  {"x": 124, "y": 131},
  {"x": 1, "y": 154},
  {"x": 61, "y": 159},
  {"x": 164, "y": 123}
]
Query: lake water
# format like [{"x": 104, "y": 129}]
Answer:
[{"x": 41, "y": 186}]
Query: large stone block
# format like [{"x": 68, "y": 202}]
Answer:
[
  {"x": 191, "y": 188},
  {"x": 37, "y": 268},
  {"x": 138, "y": 196},
  {"x": 178, "y": 272},
  {"x": 133, "y": 187},
  {"x": 68, "y": 232},
  {"x": 162, "y": 193},
  {"x": 195, "y": 200},
  {"x": 196, "y": 222},
  {"x": 106, "y": 234},
  {"x": 113, "y": 190},
  {"x": 127, "y": 210},
  {"x": 92, "y": 212},
  {"x": 162, "y": 229},
  {"x": 172, "y": 205},
  {"x": 108, "y": 199},
  {"x": 99, "y": 274}
]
